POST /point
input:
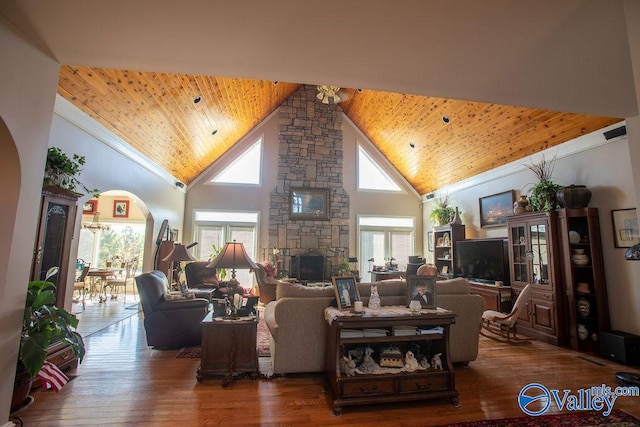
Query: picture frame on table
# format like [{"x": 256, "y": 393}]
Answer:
[
  {"x": 346, "y": 290},
  {"x": 625, "y": 227},
  {"x": 422, "y": 288},
  {"x": 309, "y": 203},
  {"x": 90, "y": 207},
  {"x": 495, "y": 209},
  {"x": 121, "y": 208}
]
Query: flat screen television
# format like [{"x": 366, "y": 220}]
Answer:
[{"x": 483, "y": 260}]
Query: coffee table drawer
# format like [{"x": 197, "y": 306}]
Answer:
[
  {"x": 423, "y": 383},
  {"x": 367, "y": 388}
]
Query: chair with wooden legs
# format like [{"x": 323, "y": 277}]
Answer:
[
  {"x": 114, "y": 284},
  {"x": 501, "y": 326},
  {"x": 80, "y": 284}
]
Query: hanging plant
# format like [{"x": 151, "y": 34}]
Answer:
[
  {"x": 62, "y": 171},
  {"x": 542, "y": 196},
  {"x": 443, "y": 213}
]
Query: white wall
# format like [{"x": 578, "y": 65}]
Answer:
[
  {"x": 28, "y": 82},
  {"x": 201, "y": 195},
  {"x": 607, "y": 171}
]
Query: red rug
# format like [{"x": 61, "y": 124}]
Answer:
[
  {"x": 572, "y": 419},
  {"x": 262, "y": 344}
]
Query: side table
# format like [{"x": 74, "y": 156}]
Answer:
[{"x": 228, "y": 347}]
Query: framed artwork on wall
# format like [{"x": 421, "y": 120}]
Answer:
[
  {"x": 309, "y": 203},
  {"x": 121, "y": 209},
  {"x": 625, "y": 227},
  {"x": 495, "y": 209},
  {"x": 90, "y": 207},
  {"x": 430, "y": 241}
]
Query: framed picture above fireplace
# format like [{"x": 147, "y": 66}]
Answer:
[{"x": 309, "y": 203}]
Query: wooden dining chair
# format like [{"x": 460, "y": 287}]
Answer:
[
  {"x": 114, "y": 284},
  {"x": 80, "y": 284}
]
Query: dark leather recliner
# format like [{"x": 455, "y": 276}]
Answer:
[
  {"x": 169, "y": 324},
  {"x": 202, "y": 280}
]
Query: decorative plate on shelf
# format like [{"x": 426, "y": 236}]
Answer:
[{"x": 574, "y": 237}]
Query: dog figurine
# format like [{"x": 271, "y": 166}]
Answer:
[{"x": 436, "y": 362}]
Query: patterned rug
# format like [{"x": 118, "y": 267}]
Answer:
[
  {"x": 572, "y": 419},
  {"x": 262, "y": 344}
]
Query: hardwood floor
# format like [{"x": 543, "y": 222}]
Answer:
[{"x": 124, "y": 382}]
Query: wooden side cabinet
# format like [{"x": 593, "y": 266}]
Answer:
[
  {"x": 390, "y": 384},
  {"x": 496, "y": 298},
  {"x": 228, "y": 347},
  {"x": 53, "y": 241},
  {"x": 535, "y": 257},
  {"x": 584, "y": 278},
  {"x": 444, "y": 247}
]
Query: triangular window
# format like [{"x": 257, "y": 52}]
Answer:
[
  {"x": 371, "y": 176},
  {"x": 246, "y": 169}
]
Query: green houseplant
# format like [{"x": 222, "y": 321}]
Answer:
[
  {"x": 443, "y": 213},
  {"x": 542, "y": 195},
  {"x": 62, "y": 171},
  {"x": 43, "y": 323}
]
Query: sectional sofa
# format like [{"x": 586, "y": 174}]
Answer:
[{"x": 298, "y": 329}]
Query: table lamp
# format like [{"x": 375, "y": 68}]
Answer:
[
  {"x": 233, "y": 256},
  {"x": 178, "y": 253}
]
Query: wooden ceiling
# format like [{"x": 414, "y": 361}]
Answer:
[{"x": 433, "y": 142}]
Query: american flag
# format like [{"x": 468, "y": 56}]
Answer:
[{"x": 52, "y": 377}]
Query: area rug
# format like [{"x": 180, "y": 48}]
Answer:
[
  {"x": 262, "y": 343},
  {"x": 573, "y": 419}
]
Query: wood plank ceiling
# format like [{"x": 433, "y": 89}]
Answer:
[{"x": 433, "y": 142}]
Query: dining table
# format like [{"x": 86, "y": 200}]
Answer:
[{"x": 100, "y": 279}]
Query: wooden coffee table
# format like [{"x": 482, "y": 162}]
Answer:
[{"x": 228, "y": 347}]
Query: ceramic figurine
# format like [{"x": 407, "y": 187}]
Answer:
[
  {"x": 374, "y": 299},
  {"x": 436, "y": 362},
  {"x": 424, "y": 363},
  {"x": 411, "y": 364},
  {"x": 347, "y": 366},
  {"x": 368, "y": 364}
]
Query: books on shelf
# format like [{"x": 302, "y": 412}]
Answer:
[
  {"x": 430, "y": 330},
  {"x": 404, "y": 330},
  {"x": 369, "y": 332},
  {"x": 351, "y": 333}
]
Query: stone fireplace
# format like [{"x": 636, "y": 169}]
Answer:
[{"x": 310, "y": 154}]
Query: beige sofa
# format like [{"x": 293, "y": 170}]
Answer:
[{"x": 298, "y": 329}]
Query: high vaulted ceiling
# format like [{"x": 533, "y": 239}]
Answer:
[
  {"x": 184, "y": 123},
  {"x": 545, "y": 55}
]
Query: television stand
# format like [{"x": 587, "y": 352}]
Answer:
[{"x": 496, "y": 298}]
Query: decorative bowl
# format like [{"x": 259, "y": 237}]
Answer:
[{"x": 574, "y": 237}]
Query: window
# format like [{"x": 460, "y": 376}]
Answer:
[
  {"x": 245, "y": 169},
  {"x": 215, "y": 228},
  {"x": 371, "y": 176},
  {"x": 383, "y": 239}
]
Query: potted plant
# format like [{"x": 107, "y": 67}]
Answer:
[
  {"x": 443, "y": 213},
  {"x": 43, "y": 323},
  {"x": 542, "y": 196},
  {"x": 62, "y": 171}
]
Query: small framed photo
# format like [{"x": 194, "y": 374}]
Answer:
[
  {"x": 121, "y": 208},
  {"x": 346, "y": 291},
  {"x": 625, "y": 227},
  {"x": 90, "y": 207},
  {"x": 495, "y": 209},
  {"x": 422, "y": 288}
]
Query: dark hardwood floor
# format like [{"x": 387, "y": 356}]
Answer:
[{"x": 124, "y": 382}]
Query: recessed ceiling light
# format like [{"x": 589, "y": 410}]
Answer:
[
  {"x": 446, "y": 119},
  {"x": 275, "y": 82},
  {"x": 412, "y": 145},
  {"x": 214, "y": 132},
  {"x": 359, "y": 90},
  {"x": 197, "y": 99}
]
